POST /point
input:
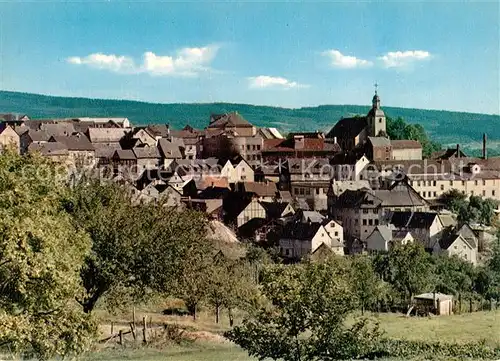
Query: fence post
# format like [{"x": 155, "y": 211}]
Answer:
[
  {"x": 112, "y": 328},
  {"x": 121, "y": 337},
  {"x": 144, "y": 331},
  {"x": 133, "y": 315},
  {"x": 132, "y": 329}
]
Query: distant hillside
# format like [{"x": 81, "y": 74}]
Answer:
[{"x": 445, "y": 127}]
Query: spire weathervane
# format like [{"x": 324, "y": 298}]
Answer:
[{"x": 376, "y": 87}]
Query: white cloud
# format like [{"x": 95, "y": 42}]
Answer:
[
  {"x": 103, "y": 61},
  {"x": 265, "y": 81},
  {"x": 186, "y": 62},
  {"x": 398, "y": 59},
  {"x": 339, "y": 60}
]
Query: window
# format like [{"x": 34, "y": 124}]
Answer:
[
  {"x": 434, "y": 194},
  {"x": 258, "y": 146},
  {"x": 376, "y": 222},
  {"x": 336, "y": 234},
  {"x": 248, "y": 146},
  {"x": 471, "y": 193},
  {"x": 424, "y": 194},
  {"x": 296, "y": 191},
  {"x": 365, "y": 211},
  {"x": 380, "y": 120},
  {"x": 243, "y": 177},
  {"x": 356, "y": 222},
  {"x": 442, "y": 187},
  {"x": 434, "y": 183},
  {"x": 463, "y": 183},
  {"x": 484, "y": 193},
  {"x": 484, "y": 182},
  {"x": 475, "y": 182},
  {"x": 375, "y": 211},
  {"x": 451, "y": 183},
  {"x": 317, "y": 190},
  {"x": 493, "y": 193},
  {"x": 308, "y": 191},
  {"x": 370, "y": 222},
  {"x": 364, "y": 222},
  {"x": 301, "y": 191},
  {"x": 418, "y": 184},
  {"x": 287, "y": 252}
]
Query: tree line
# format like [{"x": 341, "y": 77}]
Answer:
[{"x": 66, "y": 250}]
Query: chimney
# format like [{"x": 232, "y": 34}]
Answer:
[
  {"x": 485, "y": 152},
  {"x": 335, "y": 140},
  {"x": 458, "y": 151}
]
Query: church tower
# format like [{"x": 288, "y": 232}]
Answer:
[{"x": 376, "y": 118}]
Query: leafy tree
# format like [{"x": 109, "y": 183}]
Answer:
[
  {"x": 366, "y": 283},
  {"x": 41, "y": 254},
  {"x": 473, "y": 209},
  {"x": 454, "y": 275},
  {"x": 304, "y": 318},
  {"x": 105, "y": 211},
  {"x": 399, "y": 129},
  {"x": 411, "y": 270}
]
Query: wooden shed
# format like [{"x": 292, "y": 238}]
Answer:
[{"x": 436, "y": 303}]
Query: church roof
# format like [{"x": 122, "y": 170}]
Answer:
[{"x": 348, "y": 128}]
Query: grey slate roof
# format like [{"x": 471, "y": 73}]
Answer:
[
  {"x": 380, "y": 141},
  {"x": 348, "y": 128},
  {"x": 106, "y": 135},
  {"x": 75, "y": 142},
  {"x": 412, "y": 220},
  {"x": 228, "y": 120},
  {"x": 168, "y": 149},
  {"x": 147, "y": 153},
  {"x": 49, "y": 149}
]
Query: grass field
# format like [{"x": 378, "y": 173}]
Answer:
[{"x": 457, "y": 328}]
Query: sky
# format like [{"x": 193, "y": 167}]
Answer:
[{"x": 430, "y": 55}]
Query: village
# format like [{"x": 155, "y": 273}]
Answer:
[{"x": 348, "y": 191}]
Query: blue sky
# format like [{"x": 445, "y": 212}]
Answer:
[{"x": 424, "y": 55}]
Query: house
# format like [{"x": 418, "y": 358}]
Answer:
[
  {"x": 261, "y": 191},
  {"x": 456, "y": 245},
  {"x": 305, "y": 216},
  {"x": 349, "y": 166},
  {"x": 263, "y": 210},
  {"x": 448, "y": 153},
  {"x": 237, "y": 170},
  {"x": 226, "y": 144},
  {"x": 148, "y": 157},
  {"x": 436, "y": 303},
  {"x": 360, "y": 211},
  {"x": 383, "y": 238},
  {"x": 211, "y": 207},
  {"x": 354, "y": 132},
  {"x": 301, "y": 239},
  {"x": 106, "y": 136},
  {"x": 9, "y": 138},
  {"x": 81, "y": 153},
  {"x": 379, "y": 148},
  {"x": 32, "y": 136},
  {"x": 124, "y": 163},
  {"x": 425, "y": 227},
  {"x": 104, "y": 122},
  {"x": 13, "y": 119},
  {"x": 144, "y": 136},
  {"x": 232, "y": 121},
  {"x": 269, "y": 133},
  {"x": 55, "y": 151},
  {"x": 298, "y": 145},
  {"x": 169, "y": 149},
  {"x": 406, "y": 150},
  {"x": 193, "y": 141},
  {"x": 308, "y": 179}
]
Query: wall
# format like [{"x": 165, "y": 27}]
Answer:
[{"x": 407, "y": 154}]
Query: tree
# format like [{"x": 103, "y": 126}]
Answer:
[
  {"x": 304, "y": 316},
  {"x": 366, "y": 284},
  {"x": 41, "y": 254},
  {"x": 105, "y": 211},
  {"x": 473, "y": 209},
  {"x": 399, "y": 129},
  {"x": 411, "y": 269}
]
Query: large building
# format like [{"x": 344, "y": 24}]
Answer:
[{"x": 354, "y": 132}]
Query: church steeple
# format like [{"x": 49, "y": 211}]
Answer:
[
  {"x": 376, "y": 117},
  {"x": 376, "y": 99}
]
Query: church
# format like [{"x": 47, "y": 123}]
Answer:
[{"x": 350, "y": 133}]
